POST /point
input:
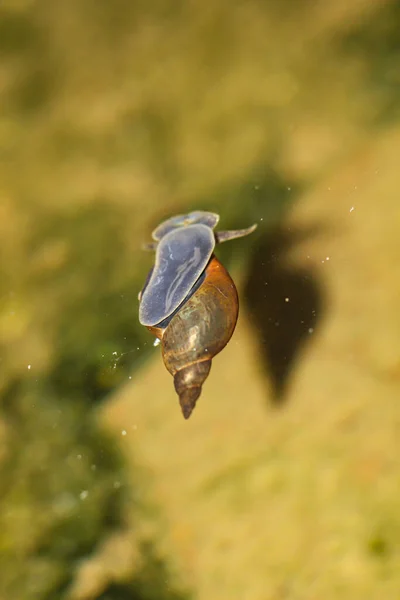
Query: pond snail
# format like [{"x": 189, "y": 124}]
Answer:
[{"x": 189, "y": 300}]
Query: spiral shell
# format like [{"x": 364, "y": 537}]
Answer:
[{"x": 198, "y": 331}]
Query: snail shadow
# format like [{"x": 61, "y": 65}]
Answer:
[
  {"x": 285, "y": 304},
  {"x": 153, "y": 582}
]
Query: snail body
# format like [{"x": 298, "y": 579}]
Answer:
[{"x": 189, "y": 301}]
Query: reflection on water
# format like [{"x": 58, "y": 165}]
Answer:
[{"x": 114, "y": 116}]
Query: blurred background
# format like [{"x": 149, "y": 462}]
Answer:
[{"x": 285, "y": 482}]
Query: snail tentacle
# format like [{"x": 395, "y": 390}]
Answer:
[{"x": 225, "y": 236}]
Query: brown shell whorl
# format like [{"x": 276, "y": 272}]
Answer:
[
  {"x": 198, "y": 331},
  {"x": 188, "y": 382}
]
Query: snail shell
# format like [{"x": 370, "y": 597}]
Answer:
[
  {"x": 189, "y": 301},
  {"x": 198, "y": 331}
]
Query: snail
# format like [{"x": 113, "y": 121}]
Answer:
[{"x": 189, "y": 301}]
